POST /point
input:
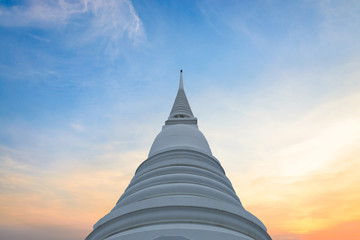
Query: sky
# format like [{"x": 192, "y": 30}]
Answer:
[{"x": 86, "y": 85}]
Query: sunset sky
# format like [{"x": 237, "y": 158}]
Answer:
[{"x": 86, "y": 85}]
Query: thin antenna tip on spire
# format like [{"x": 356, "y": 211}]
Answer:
[{"x": 181, "y": 85}]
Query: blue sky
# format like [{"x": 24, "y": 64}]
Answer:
[
  {"x": 81, "y": 57},
  {"x": 85, "y": 86}
]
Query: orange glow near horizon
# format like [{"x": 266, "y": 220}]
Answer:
[{"x": 321, "y": 206}]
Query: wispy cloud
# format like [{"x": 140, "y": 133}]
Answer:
[
  {"x": 111, "y": 20},
  {"x": 297, "y": 174},
  {"x": 63, "y": 190},
  {"x": 40, "y": 13},
  {"x": 320, "y": 200},
  {"x": 340, "y": 20}
]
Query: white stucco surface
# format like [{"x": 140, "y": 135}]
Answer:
[
  {"x": 180, "y": 231},
  {"x": 180, "y": 136}
]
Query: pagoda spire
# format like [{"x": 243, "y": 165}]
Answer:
[
  {"x": 181, "y": 107},
  {"x": 181, "y": 111}
]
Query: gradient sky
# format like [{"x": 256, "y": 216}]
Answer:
[{"x": 85, "y": 86}]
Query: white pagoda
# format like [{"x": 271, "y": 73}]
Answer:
[{"x": 180, "y": 192}]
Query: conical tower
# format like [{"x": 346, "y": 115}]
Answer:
[{"x": 180, "y": 192}]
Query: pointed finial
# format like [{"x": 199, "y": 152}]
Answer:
[{"x": 181, "y": 85}]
